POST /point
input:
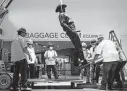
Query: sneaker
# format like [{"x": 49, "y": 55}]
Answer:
[
  {"x": 50, "y": 81},
  {"x": 102, "y": 87},
  {"x": 109, "y": 88},
  {"x": 96, "y": 82},
  {"x": 22, "y": 89},
  {"x": 80, "y": 78},
  {"x": 14, "y": 89},
  {"x": 49, "y": 78},
  {"x": 93, "y": 81},
  {"x": 88, "y": 82},
  {"x": 56, "y": 78},
  {"x": 118, "y": 86}
]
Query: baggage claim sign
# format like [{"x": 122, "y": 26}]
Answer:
[{"x": 55, "y": 36}]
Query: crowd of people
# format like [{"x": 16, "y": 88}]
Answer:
[
  {"x": 25, "y": 60},
  {"x": 103, "y": 55},
  {"x": 110, "y": 56},
  {"x": 104, "y": 51}
]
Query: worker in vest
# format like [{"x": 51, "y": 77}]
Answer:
[{"x": 50, "y": 60}]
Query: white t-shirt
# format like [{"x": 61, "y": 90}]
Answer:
[
  {"x": 50, "y": 54},
  {"x": 86, "y": 53},
  {"x": 32, "y": 54},
  {"x": 93, "y": 53},
  {"x": 17, "y": 49},
  {"x": 108, "y": 50},
  {"x": 92, "y": 50}
]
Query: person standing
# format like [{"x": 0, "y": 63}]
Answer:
[
  {"x": 86, "y": 70},
  {"x": 107, "y": 49},
  {"x": 59, "y": 64},
  {"x": 33, "y": 61},
  {"x": 119, "y": 70},
  {"x": 95, "y": 72},
  {"x": 69, "y": 27},
  {"x": 18, "y": 56},
  {"x": 50, "y": 60}
]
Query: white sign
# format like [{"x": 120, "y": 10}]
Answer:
[{"x": 57, "y": 36}]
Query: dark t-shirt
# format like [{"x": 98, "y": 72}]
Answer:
[{"x": 65, "y": 22}]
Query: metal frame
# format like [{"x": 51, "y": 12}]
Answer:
[
  {"x": 113, "y": 37},
  {"x": 4, "y": 5}
]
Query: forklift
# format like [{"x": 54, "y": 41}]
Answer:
[{"x": 5, "y": 75}]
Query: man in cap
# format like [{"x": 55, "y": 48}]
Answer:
[
  {"x": 18, "y": 56},
  {"x": 69, "y": 27},
  {"x": 50, "y": 60},
  {"x": 107, "y": 49}
]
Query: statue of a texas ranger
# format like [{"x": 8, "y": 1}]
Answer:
[{"x": 69, "y": 27}]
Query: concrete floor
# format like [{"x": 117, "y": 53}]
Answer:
[
  {"x": 86, "y": 89},
  {"x": 73, "y": 77}
]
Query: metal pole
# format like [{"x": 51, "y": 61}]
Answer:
[
  {"x": 8, "y": 4},
  {"x": 1, "y": 20},
  {"x": 61, "y": 2},
  {"x": 2, "y": 2},
  {"x": 1, "y": 49},
  {"x": 65, "y": 68}
]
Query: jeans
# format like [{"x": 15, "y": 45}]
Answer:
[
  {"x": 86, "y": 71},
  {"x": 119, "y": 70},
  {"x": 77, "y": 44},
  {"x": 108, "y": 73},
  {"x": 53, "y": 68},
  {"x": 96, "y": 72},
  {"x": 31, "y": 71},
  {"x": 20, "y": 67}
]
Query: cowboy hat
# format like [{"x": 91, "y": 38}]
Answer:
[
  {"x": 58, "y": 8},
  {"x": 50, "y": 45}
]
